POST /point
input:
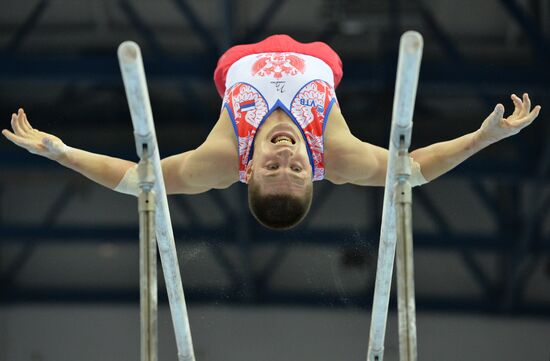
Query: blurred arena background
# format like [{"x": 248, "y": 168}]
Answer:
[{"x": 69, "y": 248}]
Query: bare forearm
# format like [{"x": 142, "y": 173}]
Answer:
[
  {"x": 109, "y": 171},
  {"x": 439, "y": 158},
  {"x": 182, "y": 175},
  {"x": 102, "y": 169}
]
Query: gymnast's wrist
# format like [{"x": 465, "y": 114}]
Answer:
[
  {"x": 480, "y": 139},
  {"x": 65, "y": 156}
]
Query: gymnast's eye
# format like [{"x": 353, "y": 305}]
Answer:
[
  {"x": 273, "y": 166},
  {"x": 296, "y": 169}
]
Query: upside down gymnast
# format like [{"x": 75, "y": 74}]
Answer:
[{"x": 280, "y": 128}]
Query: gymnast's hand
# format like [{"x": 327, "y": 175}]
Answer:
[
  {"x": 33, "y": 140},
  {"x": 495, "y": 127}
]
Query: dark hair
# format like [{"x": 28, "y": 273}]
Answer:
[{"x": 278, "y": 211}]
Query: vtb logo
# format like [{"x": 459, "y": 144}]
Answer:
[{"x": 313, "y": 104}]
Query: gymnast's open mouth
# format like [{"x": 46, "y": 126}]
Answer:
[{"x": 283, "y": 138}]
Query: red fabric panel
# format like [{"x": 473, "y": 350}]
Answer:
[{"x": 275, "y": 44}]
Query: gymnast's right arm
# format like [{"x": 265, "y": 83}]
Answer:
[
  {"x": 104, "y": 170},
  {"x": 192, "y": 172},
  {"x": 213, "y": 165}
]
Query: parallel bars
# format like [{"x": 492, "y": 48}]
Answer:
[
  {"x": 133, "y": 75},
  {"x": 398, "y": 172}
]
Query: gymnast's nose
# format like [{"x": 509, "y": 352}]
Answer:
[{"x": 285, "y": 152}]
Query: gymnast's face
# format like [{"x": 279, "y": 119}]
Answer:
[{"x": 280, "y": 163}]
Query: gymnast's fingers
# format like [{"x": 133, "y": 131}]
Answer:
[
  {"x": 526, "y": 104},
  {"x": 518, "y": 105},
  {"x": 496, "y": 115},
  {"x": 22, "y": 131},
  {"x": 15, "y": 125},
  {"x": 14, "y": 138},
  {"x": 20, "y": 123},
  {"x": 5, "y": 133},
  {"x": 525, "y": 120},
  {"x": 531, "y": 116},
  {"x": 24, "y": 121}
]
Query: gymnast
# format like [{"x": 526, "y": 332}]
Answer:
[{"x": 280, "y": 129}]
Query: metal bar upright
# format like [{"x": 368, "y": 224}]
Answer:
[
  {"x": 408, "y": 68},
  {"x": 133, "y": 74},
  {"x": 405, "y": 265},
  {"x": 147, "y": 261}
]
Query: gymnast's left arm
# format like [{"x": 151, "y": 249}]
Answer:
[
  {"x": 350, "y": 160},
  {"x": 439, "y": 158}
]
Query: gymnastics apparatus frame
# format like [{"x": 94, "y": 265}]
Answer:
[
  {"x": 396, "y": 228},
  {"x": 154, "y": 216}
]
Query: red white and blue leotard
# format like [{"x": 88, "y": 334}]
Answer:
[{"x": 279, "y": 73}]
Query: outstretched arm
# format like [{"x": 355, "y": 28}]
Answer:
[
  {"x": 439, "y": 158},
  {"x": 349, "y": 160},
  {"x": 104, "y": 170},
  {"x": 191, "y": 172}
]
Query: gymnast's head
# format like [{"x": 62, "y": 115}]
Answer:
[{"x": 279, "y": 177}]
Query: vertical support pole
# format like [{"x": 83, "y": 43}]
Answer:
[
  {"x": 147, "y": 262},
  {"x": 408, "y": 68},
  {"x": 405, "y": 270},
  {"x": 133, "y": 75}
]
